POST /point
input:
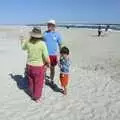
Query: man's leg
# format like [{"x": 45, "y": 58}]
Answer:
[
  {"x": 52, "y": 73},
  {"x": 53, "y": 60}
]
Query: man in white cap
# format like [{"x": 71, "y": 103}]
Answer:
[{"x": 53, "y": 42}]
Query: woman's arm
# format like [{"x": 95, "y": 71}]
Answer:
[
  {"x": 46, "y": 58},
  {"x": 23, "y": 43}
]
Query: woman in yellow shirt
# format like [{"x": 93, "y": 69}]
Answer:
[{"x": 37, "y": 60}]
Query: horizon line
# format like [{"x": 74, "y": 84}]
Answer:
[{"x": 65, "y": 23}]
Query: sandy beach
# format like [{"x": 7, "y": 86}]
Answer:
[{"x": 94, "y": 89}]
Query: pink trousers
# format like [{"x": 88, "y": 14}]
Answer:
[{"x": 36, "y": 76}]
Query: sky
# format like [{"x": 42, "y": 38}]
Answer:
[{"x": 35, "y": 11}]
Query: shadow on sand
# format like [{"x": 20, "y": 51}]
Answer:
[
  {"x": 22, "y": 84},
  {"x": 103, "y": 35},
  {"x": 54, "y": 86}
]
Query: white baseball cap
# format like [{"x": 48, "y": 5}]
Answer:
[{"x": 52, "y": 22}]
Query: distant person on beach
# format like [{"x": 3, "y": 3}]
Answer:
[
  {"x": 37, "y": 61},
  {"x": 99, "y": 31},
  {"x": 64, "y": 65},
  {"x": 53, "y": 42},
  {"x": 107, "y": 28}
]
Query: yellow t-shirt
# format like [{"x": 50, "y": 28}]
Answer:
[{"x": 37, "y": 52}]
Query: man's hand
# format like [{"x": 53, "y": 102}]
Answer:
[{"x": 60, "y": 46}]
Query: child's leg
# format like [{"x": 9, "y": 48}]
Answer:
[
  {"x": 65, "y": 90},
  {"x": 64, "y": 82}
]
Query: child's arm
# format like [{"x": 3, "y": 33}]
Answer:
[
  {"x": 69, "y": 62},
  {"x": 60, "y": 62}
]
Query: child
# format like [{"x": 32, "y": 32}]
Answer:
[
  {"x": 64, "y": 68},
  {"x": 37, "y": 59}
]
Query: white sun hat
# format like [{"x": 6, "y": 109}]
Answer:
[
  {"x": 52, "y": 22},
  {"x": 36, "y": 33}
]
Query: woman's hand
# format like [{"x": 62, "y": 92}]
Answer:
[
  {"x": 46, "y": 66},
  {"x": 21, "y": 38}
]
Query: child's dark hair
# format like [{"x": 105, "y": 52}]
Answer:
[{"x": 64, "y": 50}]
